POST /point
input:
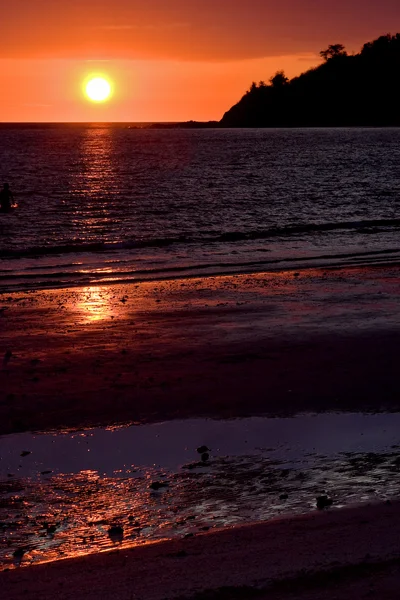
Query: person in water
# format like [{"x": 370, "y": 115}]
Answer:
[{"x": 6, "y": 198}]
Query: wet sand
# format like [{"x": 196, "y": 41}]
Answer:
[
  {"x": 353, "y": 553},
  {"x": 270, "y": 344},
  {"x": 63, "y": 499}
]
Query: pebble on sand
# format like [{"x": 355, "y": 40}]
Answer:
[
  {"x": 156, "y": 485},
  {"x": 18, "y": 553},
  {"x": 323, "y": 502},
  {"x": 7, "y": 357},
  {"x": 116, "y": 533}
]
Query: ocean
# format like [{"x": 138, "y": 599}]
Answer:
[{"x": 104, "y": 203}]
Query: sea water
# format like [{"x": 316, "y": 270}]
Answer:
[{"x": 100, "y": 203}]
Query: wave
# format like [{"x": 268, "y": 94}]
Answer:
[
  {"x": 369, "y": 257},
  {"x": 82, "y": 247},
  {"x": 58, "y": 278},
  {"x": 362, "y": 226}
]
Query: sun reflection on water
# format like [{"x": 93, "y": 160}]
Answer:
[
  {"x": 94, "y": 186},
  {"x": 97, "y": 174}
]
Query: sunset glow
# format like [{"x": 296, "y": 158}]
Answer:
[{"x": 166, "y": 61}]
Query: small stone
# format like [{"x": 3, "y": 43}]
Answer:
[
  {"x": 115, "y": 529},
  {"x": 116, "y": 533},
  {"x": 157, "y": 485},
  {"x": 203, "y": 449},
  {"x": 324, "y": 502},
  {"x": 283, "y": 497},
  {"x": 25, "y": 453},
  {"x": 7, "y": 357}
]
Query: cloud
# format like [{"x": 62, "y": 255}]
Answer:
[
  {"x": 148, "y": 26},
  {"x": 189, "y": 29},
  {"x": 310, "y": 56},
  {"x": 115, "y": 27}
]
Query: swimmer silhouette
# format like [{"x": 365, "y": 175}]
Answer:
[{"x": 6, "y": 198}]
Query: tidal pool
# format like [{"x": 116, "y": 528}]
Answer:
[{"x": 74, "y": 493}]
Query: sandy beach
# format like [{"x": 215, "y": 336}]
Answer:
[
  {"x": 229, "y": 346},
  {"x": 275, "y": 343},
  {"x": 353, "y": 553}
]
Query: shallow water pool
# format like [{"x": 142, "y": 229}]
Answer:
[{"x": 74, "y": 493}]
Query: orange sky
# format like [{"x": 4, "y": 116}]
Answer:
[{"x": 169, "y": 59}]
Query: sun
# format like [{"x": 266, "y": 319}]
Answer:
[{"x": 98, "y": 89}]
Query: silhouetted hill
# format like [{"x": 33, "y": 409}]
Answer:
[{"x": 345, "y": 90}]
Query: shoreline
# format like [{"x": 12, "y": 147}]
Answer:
[
  {"x": 229, "y": 346},
  {"x": 326, "y": 262},
  {"x": 325, "y": 553}
]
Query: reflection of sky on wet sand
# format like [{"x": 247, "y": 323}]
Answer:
[
  {"x": 94, "y": 303},
  {"x": 73, "y": 488}
]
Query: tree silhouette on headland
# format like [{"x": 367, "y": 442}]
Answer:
[
  {"x": 333, "y": 51},
  {"x": 345, "y": 90},
  {"x": 279, "y": 79}
]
